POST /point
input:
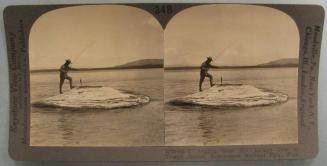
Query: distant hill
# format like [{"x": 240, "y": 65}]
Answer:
[
  {"x": 143, "y": 63},
  {"x": 158, "y": 63},
  {"x": 138, "y": 64},
  {"x": 286, "y": 62}
]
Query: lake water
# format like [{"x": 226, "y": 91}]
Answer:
[
  {"x": 197, "y": 126},
  {"x": 158, "y": 124},
  {"x": 137, "y": 126}
]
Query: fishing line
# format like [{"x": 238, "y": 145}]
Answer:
[{"x": 83, "y": 51}]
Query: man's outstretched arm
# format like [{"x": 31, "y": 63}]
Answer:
[
  {"x": 71, "y": 68},
  {"x": 213, "y": 66}
]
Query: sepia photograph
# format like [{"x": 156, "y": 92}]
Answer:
[
  {"x": 163, "y": 81},
  {"x": 96, "y": 74},
  {"x": 110, "y": 75},
  {"x": 231, "y": 76}
]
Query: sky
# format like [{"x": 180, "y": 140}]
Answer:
[
  {"x": 232, "y": 34},
  {"x": 108, "y": 35},
  {"x": 94, "y": 36}
]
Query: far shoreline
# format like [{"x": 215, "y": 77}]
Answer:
[
  {"x": 166, "y": 69},
  {"x": 94, "y": 69},
  {"x": 230, "y": 67}
]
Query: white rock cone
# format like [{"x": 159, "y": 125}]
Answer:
[
  {"x": 232, "y": 96},
  {"x": 93, "y": 98}
]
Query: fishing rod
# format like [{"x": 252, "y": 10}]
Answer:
[
  {"x": 80, "y": 55},
  {"x": 83, "y": 51},
  {"x": 223, "y": 50}
]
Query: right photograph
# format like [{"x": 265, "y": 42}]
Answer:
[{"x": 231, "y": 76}]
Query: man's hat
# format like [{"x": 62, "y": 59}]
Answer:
[
  {"x": 209, "y": 58},
  {"x": 68, "y": 61}
]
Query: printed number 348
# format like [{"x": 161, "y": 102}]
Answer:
[{"x": 164, "y": 9}]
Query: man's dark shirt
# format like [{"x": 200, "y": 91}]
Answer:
[
  {"x": 64, "y": 70},
  {"x": 205, "y": 67}
]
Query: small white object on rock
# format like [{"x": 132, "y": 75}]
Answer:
[
  {"x": 232, "y": 96},
  {"x": 93, "y": 98}
]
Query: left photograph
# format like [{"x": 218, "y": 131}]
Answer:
[{"x": 96, "y": 74}]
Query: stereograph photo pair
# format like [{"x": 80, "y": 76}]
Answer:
[{"x": 163, "y": 82}]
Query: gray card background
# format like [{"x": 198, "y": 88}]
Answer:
[{"x": 4, "y": 94}]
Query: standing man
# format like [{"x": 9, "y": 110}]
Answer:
[
  {"x": 63, "y": 75},
  {"x": 205, "y": 66}
]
